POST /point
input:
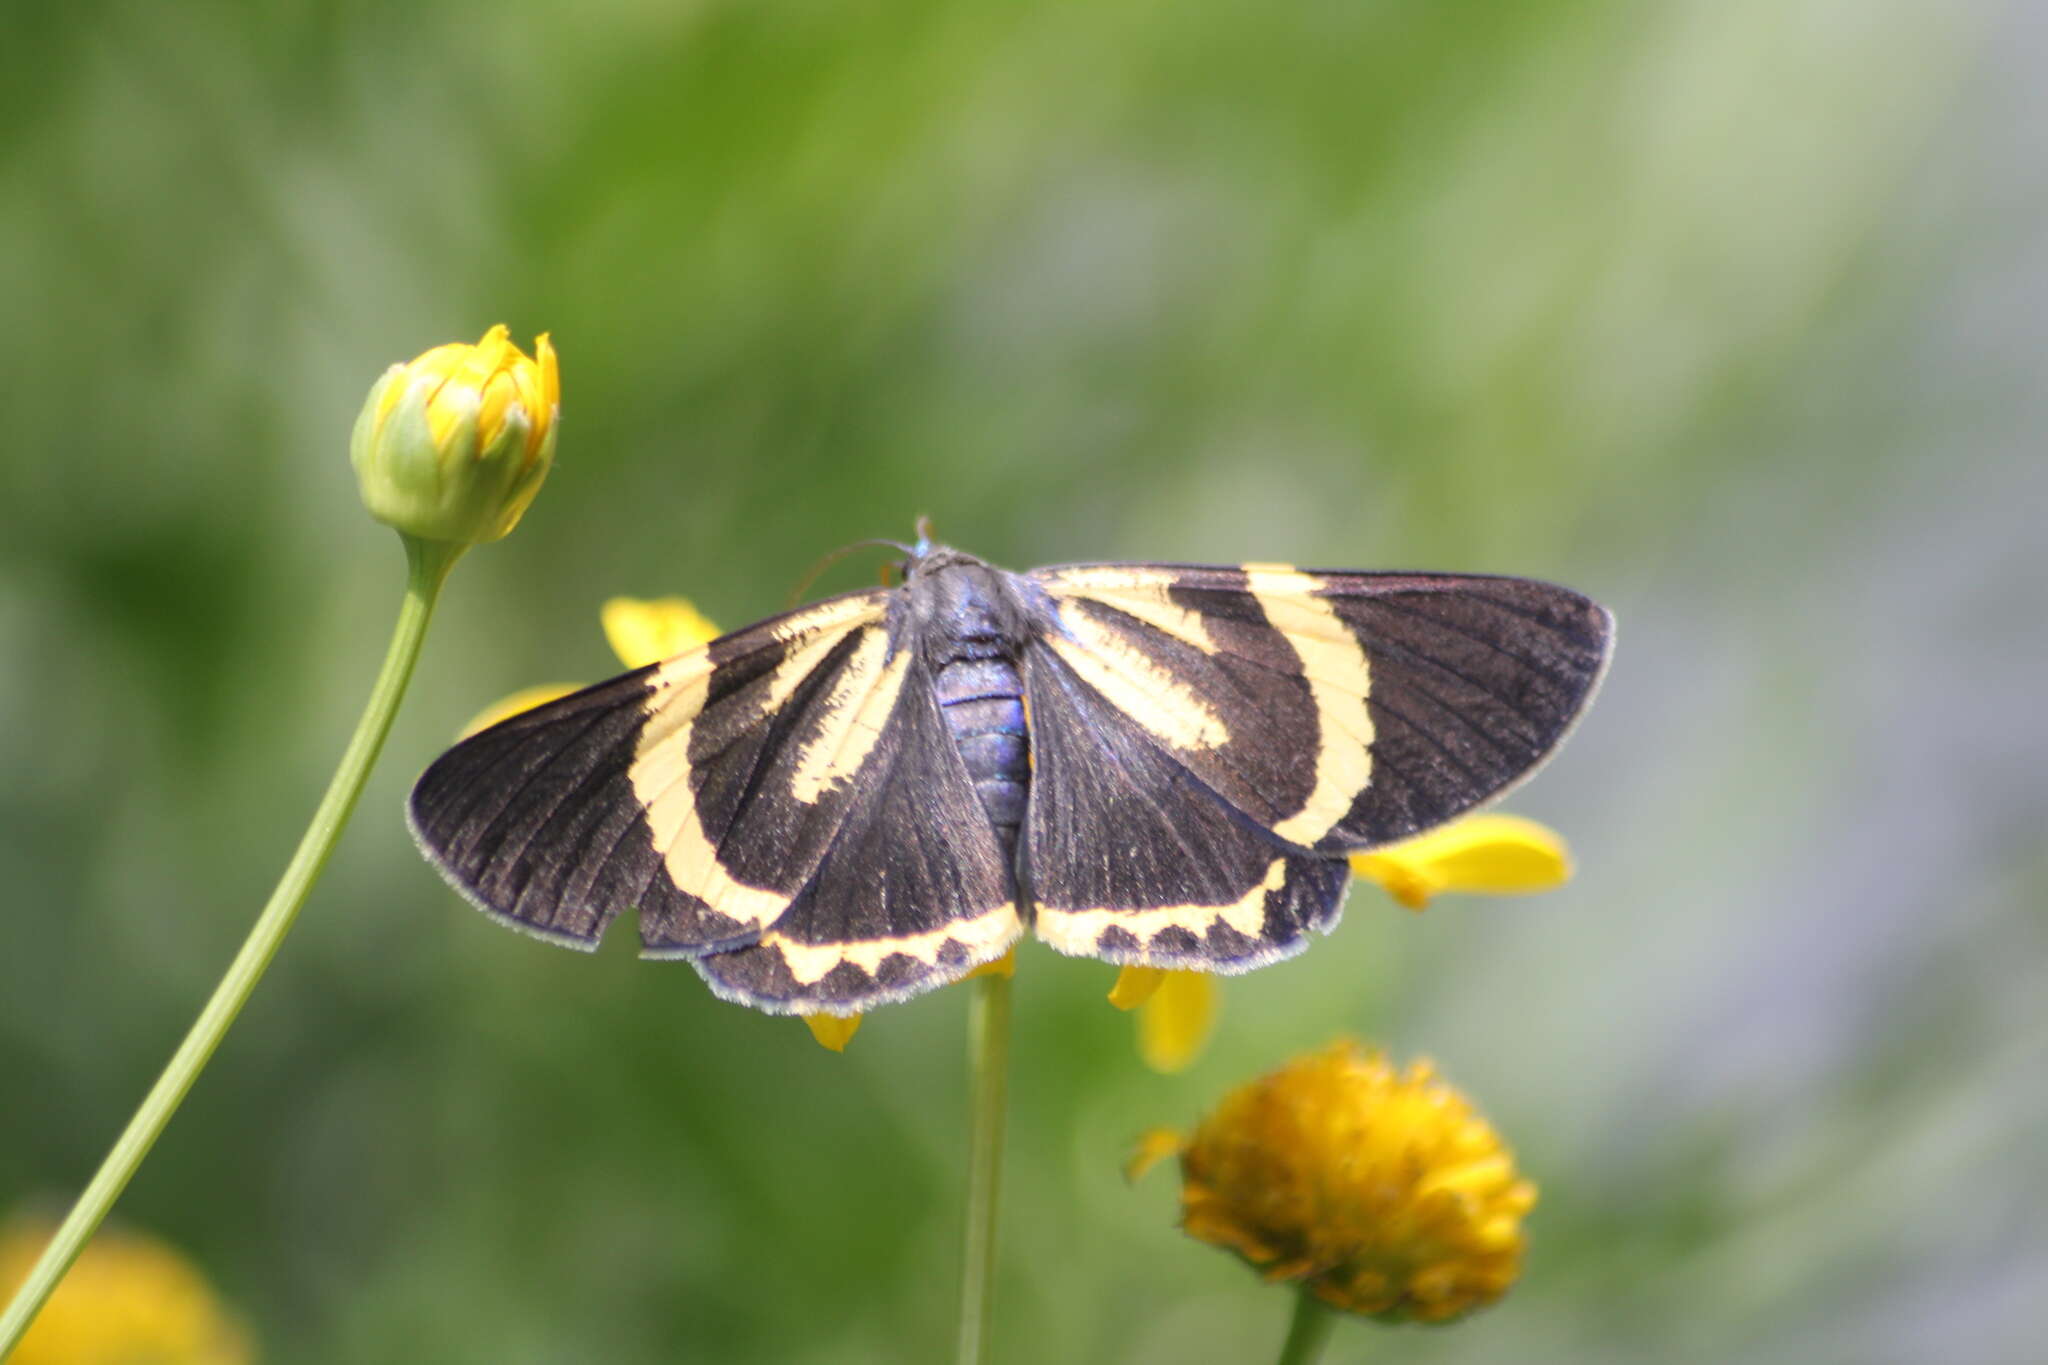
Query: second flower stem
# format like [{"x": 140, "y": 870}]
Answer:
[
  {"x": 429, "y": 565},
  {"x": 988, "y": 1029},
  {"x": 1309, "y": 1331}
]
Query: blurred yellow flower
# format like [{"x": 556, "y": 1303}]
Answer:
[
  {"x": 129, "y": 1300},
  {"x": 644, "y": 631},
  {"x": 451, "y": 446},
  {"x": 1487, "y": 853},
  {"x": 1383, "y": 1193},
  {"x": 641, "y": 631},
  {"x": 525, "y": 699}
]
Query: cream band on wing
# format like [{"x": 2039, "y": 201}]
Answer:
[
  {"x": 660, "y": 772},
  {"x": 985, "y": 937},
  {"x": 855, "y": 710},
  {"x": 1080, "y": 931},
  {"x": 661, "y": 780},
  {"x": 1150, "y": 695},
  {"x": 1143, "y": 595},
  {"x": 1339, "y": 680},
  {"x": 850, "y": 610}
]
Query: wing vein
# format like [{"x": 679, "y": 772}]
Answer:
[
  {"x": 1562, "y": 679},
  {"x": 1460, "y": 764},
  {"x": 540, "y": 824}
]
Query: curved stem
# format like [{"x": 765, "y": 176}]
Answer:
[
  {"x": 1309, "y": 1332},
  {"x": 428, "y": 566},
  {"x": 988, "y": 1029}
]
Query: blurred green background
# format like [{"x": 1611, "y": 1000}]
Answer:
[{"x": 1729, "y": 312}]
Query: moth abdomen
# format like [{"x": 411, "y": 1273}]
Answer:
[{"x": 982, "y": 699}]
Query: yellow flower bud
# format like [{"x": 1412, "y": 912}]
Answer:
[
  {"x": 451, "y": 447},
  {"x": 1383, "y": 1193}
]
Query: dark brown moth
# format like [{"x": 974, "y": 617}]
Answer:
[{"x": 866, "y": 797}]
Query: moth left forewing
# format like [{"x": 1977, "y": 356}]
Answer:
[
  {"x": 535, "y": 822},
  {"x": 634, "y": 794}
]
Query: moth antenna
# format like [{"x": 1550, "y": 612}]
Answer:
[{"x": 812, "y": 574}]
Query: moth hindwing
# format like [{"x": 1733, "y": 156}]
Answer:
[{"x": 1159, "y": 764}]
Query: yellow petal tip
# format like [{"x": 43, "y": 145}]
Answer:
[
  {"x": 525, "y": 699},
  {"x": 1135, "y": 985},
  {"x": 833, "y": 1031},
  {"x": 1006, "y": 965},
  {"x": 1176, "y": 1023},
  {"x": 1486, "y": 854},
  {"x": 1151, "y": 1148}
]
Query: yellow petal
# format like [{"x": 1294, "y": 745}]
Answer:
[
  {"x": 1134, "y": 986},
  {"x": 1006, "y": 965},
  {"x": 499, "y": 394},
  {"x": 833, "y": 1031},
  {"x": 1490, "y": 853},
  {"x": 525, "y": 699},
  {"x": 647, "y": 630},
  {"x": 1176, "y": 1022},
  {"x": 1151, "y": 1148},
  {"x": 550, "y": 373}
]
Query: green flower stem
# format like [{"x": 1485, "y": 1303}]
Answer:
[
  {"x": 429, "y": 565},
  {"x": 988, "y": 1028},
  {"x": 1309, "y": 1332}
]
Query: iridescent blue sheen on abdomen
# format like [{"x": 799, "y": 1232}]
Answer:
[{"x": 982, "y": 700}]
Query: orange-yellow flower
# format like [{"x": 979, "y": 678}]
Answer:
[
  {"x": 1382, "y": 1192},
  {"x": 129, "y": 1299}
]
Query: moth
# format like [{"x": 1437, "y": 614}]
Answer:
[{"x": 864, "y": 798}]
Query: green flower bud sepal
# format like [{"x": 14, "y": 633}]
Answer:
[{"x": 451, "y": 447}]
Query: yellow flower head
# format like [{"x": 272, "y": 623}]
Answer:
[
  {"x": 452, "y": 446},
  {"x": 129, "y": 1300},
  {"x": 1384, "y": 1192}
]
